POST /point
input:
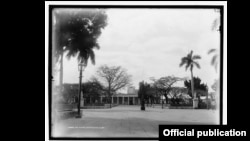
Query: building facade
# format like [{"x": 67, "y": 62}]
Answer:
[{"x": 123, "y": 99}]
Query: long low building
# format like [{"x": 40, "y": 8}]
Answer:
[{"x": 123, "y": 99}]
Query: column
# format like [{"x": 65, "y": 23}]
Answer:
[
  {"x": 123, "y": 100},
  {"x": 117, "y": 100},
  {"x": 133, "y": 100},
  {"x": 112, "y": 99}
]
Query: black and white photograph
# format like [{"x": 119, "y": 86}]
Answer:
[{"x": 120, "y": 71}]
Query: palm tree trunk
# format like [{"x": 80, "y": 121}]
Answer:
[
  {"x": 79, "y": 95},
  {"x": 192, "y": 84},
  {"x": 195, "y": 101}
]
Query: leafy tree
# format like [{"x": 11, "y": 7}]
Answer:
[
  {"x": 115, "y": 78},
  {"x": 92, "y": 89},
  {"x": 164, "y": 85},
  {"x": 176, "y": 92},
  {"x": 199, "y": 87},
  {"x": 76, "y": 31},
  {"x": 190, "y": 62},
  {"x": 149, "y": 94}
]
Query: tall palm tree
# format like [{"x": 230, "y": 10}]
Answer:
[
  {"x": 77, "y": 31},
  {"x": 190, "y": 62}
]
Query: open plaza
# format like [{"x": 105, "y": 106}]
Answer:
[{"x": 130, "y": 121}]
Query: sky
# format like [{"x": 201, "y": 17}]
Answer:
[{"x": 151, "y": 42}]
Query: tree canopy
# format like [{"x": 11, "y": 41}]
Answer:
[
  {"x": 114, "y": 77},
  {"x": 147, "y": 90},
  {"x": 198, "y": 86},
  {"x": 77, "y": 31},
  {"x": 92, "y": 89},
  {"x": 164, "y": 84},
  {"x": 189, "y": 61}
]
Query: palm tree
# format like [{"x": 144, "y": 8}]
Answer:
[
  {"x": 214, "y": 61},
  {"x": 77, "y": 31},
  {"x": 190, "y": 62}
]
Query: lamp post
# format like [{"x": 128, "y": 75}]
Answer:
[{"x": 81, "y": 67}]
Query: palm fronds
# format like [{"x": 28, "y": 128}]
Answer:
[{"x": 189, "y": 61}]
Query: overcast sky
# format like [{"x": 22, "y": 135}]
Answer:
[{"x": 151, "y": 43}]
